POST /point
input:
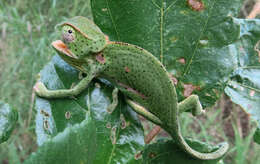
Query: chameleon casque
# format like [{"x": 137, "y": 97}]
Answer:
[{"x": 135, "y": 72}]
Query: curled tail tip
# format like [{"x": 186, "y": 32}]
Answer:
[
  {"x": 217, "y": 153},
  {"x": 220, "y": 152},
  {"x": 223, "y": 147}
]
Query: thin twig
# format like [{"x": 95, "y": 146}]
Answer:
[
  {"x": 156, "y": 129},
  {"x": 255, "y": 11},
  {"x": 31, "y": 108}
]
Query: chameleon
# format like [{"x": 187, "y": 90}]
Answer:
[{"x": 140, "y": 76}]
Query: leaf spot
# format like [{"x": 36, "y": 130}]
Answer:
[
  {"x": 123, "y": 121},
  {"x": 188, "y": 89},
  {"x": 46, "y": 114},
  {"x": 104, "y": 9},
  {"x": 182, "y": 61},
  {"x": 196, "y": 5},
  {"x": 252, "y": 93},
  {"x": 108, "y": 125},
  {"x": 138, "y": 155},
  {"x": 174, "y": 80},
  {"x": 67, "y": 115},
  {"x": 204, "y": 42},
  {"x": 46, "y": 125},
  {"x": 152, "y": 155},
  {"x": 256, "y": 48},
  {"x": 113, "y": 135},
  {"x": 173, "y": 39},
  {"x": 127, "y": 70}
]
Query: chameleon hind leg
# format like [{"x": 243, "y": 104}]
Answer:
[
  {"x": 142, "y": 111},
  {"x": 191, "y": 104},
  {"x": 42, "y": 91}
]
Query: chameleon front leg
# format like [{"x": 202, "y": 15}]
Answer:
[
  {"x": 42, "y": 91},
  {"x": 191, "y": 104}
]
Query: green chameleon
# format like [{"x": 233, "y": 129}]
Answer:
[{"x": 141, "y": 77}]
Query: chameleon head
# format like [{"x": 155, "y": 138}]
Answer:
[{"x": 80, "y": 38}]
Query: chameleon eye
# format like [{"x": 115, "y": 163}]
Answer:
[{"x": 69, "y": 31}]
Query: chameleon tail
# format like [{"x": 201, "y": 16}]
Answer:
[{"x": 176, "y": 134}]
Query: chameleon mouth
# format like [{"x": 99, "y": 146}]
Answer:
[{"x": 61, "y": 47}]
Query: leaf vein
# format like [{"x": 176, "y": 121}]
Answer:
[
  {"x": 197, "y": 44},
  {"x": 113, "y": 21}
]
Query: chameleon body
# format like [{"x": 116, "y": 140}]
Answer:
[{"x": 134, "y": 71}]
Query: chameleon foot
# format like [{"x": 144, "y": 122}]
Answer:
[{"x": 39, "y": 88}]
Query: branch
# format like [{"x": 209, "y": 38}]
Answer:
[{"x": 255, "y": 11}]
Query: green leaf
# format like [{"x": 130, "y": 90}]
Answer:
[
  {"x": 207, "y": 51},
  {"x": 8, "y": 119},
  {"x": 244, "y": 84},
  {"x": 165, "y": 152},
  {"x": 257, "y": 135},
  {"x": 193, "y": 45},
  {"x": 79, "y": 129}
]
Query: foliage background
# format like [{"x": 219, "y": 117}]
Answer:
[{"x": 27, "y": 29}]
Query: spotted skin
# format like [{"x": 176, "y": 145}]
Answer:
[{"x": 140, "y": 76}]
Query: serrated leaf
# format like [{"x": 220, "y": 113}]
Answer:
[
  {"x": 244, "y": 84},
  {"x": 8, "y": 119},
  {"x": 167, "y": 152},
  {"x": 192, "y": 44},
  {"x": 80, "y": 130}
]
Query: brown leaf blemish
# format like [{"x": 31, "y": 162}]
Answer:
[
  {"x": 196, "y": 5},
  {"x": 113, "y": 135},
  {"x": 67, "y": 115},
  {"x": 174, "y": 80},
  {"x": 123, "y": 121},
  {"x": 138, "y": 155},
  {"x": 100, "y": 58},
  {"x": 182, "y": 61},
  {"x": 188, "y": 89},
  {"x": 46, "y": 125},
  {"x": 150, "y": 136},
  {"x": 256, "y": 48},
  {"x": 108, "y": 125},
  {"x": 104, "y": 9},
  {"x": 252, "y": 93},
  {"x": 46, "y": 114},
  {"x": 127, "y": 70},
  {"x": 173, "y": 39},
  {"x": 152, "y": 155}
]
